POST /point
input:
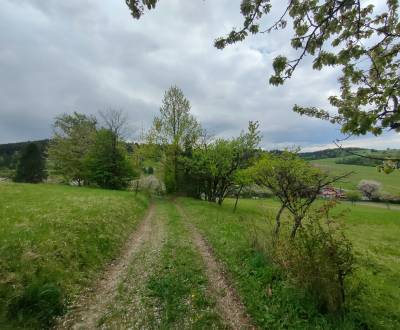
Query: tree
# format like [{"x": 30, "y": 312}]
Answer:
[
  {"x": 216, "y": 168},
  {"x": 115, "y": 121},
  {"x": 31, "y": 165},
  {"x": 294, "y": 182},
  {"x": 176, "y": 130},
  {"x": 73, "y": 137},
  {"x": 353, "y": 196},
  {"x": 369, "y": 188},
  {"x": 349, "y": 34},
  {"x": 242, "y": 179},
  {"x": 108, "y": 166}
]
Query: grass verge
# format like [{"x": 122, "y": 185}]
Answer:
[{"x": 54, "y": 240}]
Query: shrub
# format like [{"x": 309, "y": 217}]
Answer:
[
  {"x": 318, "y": 260},
  {"x": 353, "y": 196}
]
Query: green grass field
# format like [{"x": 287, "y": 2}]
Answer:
[
  {"x": 390, "y": 182},
  {"x": 54, "y": 240},
  {"x": 374, "y": 232}
]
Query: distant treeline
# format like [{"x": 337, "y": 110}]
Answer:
[
  {"x": 348, "y": 156},
  {"x": 9, "y": 153},
  {"x": 356, "y": 160},
  {"x": 330, "y": 153}
]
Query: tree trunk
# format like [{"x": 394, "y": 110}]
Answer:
[
  {"x": 137, "y": 187},
  {"x": 278, "y": 220},
  {"x": 237, "y": 198},
  {"x": 297, "y": 223}
]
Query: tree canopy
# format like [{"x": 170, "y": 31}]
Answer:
[
  {"x": 107, "y": 164},
  {"x": 176, "y": 131},
  {"x": 355, "y": 36},
  {"x": 73, "y": 136},
  {"x": 31, "y": 165}
]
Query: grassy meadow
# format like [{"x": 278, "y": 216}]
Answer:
[
  {"x": 272, "y": 302},
  {"x": 54, "y": 240},
  {"x": 390, "y": 183}
]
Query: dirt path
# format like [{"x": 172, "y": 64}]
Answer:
[
  {"x": 132, "y": 307},
  {"x": 228, "y": 302},
  {"x": 86, "y": 313},
  {"x": 121, "y": 298}
]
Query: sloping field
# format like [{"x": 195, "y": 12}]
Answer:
[
  {"x": 390, "y": 182},
  {"x": 54, "y": 240}
]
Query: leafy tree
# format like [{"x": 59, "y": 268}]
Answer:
[
  {"x": 369, "y": 188},
  {"x": 295, "y": 183},
  {"x": 108, "y": 166},
  {"x": 349, "y": 34},
  {"x": 73, "y": 137},
  {"x": 176, "y": 130},
  {"x": 353, "y": 196},
  {"x": 242, "y": 179},
  {"x": 31, "y": 165},
  {"x": 215, "y": 168}
]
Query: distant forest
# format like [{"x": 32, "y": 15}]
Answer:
[
  {"x": 9, "y": 153},
  {"x": 348, "y": 156}
]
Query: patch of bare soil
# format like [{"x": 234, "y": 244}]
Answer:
[
  {"x": 90, "y": 307},
  {"x": 228, "y": 302}
]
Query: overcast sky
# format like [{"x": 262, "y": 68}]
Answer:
[{"x": 88, "y": 55}]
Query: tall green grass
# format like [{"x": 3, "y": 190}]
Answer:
[
  {"x": 275, "y": 304},
  {"x": 53, "y": 241}
]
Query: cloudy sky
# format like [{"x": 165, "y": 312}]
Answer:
[{"x": 89, "y": 55}]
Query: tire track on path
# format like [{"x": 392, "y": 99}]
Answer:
[{"x": 228, "y": 302}]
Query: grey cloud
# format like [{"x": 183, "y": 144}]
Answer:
[{"x": 60, "y": 56}]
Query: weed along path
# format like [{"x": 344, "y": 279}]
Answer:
[
  {"x": 165, "y": 278},
  {"x": 228, "y": 302}
]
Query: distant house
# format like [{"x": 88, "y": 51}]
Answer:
[{"x": 332, "y": 193}]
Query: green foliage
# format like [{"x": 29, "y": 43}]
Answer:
[
  {"x": 10, "y": 152},
  {"x": 31, "y": 165},
  {"x": 54, "y": 241},
  {"x": 270, "y": 299},
  {"x": 73, "y": 137},
  {"x": 357, "y": 37},
  {"x": 213, "y": 169},
  {"x": 353, "y": 196},
  {"x": 319, "y": 260},
  {"x": 176, "y": 131},
  {"x": 354, "y": 160},
  {"x": 293, "y": 181},
  {"x": 107, "y": 164}
]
